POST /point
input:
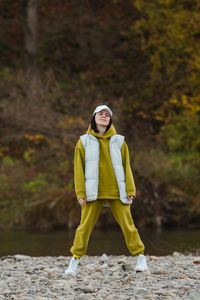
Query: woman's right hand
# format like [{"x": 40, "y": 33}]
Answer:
[{"x": 82, "y": 201}]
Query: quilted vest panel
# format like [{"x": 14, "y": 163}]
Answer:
[{"x": 91, "y": 146}]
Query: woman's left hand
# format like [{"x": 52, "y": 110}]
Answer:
[{"x": 130, "y": 198}]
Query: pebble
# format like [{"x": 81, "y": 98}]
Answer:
[{"x": 175, "y": 276}]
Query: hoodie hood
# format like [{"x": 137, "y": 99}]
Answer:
[{"x": 111, "y": 131}]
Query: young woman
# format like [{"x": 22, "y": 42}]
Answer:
[{"x": 102, "y": 172}]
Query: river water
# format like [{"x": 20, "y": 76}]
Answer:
[{"x": 110, "y": 242}]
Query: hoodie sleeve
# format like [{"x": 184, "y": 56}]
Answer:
[
  {"x": 79, "y": 170},
  {"x": 130, "y": 184}
]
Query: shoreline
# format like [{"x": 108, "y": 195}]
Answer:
[{"x": 175, "y": 276}]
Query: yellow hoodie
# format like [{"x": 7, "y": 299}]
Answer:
[{"x": 108, "y": 188}]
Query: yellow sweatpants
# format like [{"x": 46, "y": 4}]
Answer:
[{"x": 89, "y": 216}]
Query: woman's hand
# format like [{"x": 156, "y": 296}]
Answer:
[
  {"x": 82, "y": 201},
  {"x": 130, "y": 198}
]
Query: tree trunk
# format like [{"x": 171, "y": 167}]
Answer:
[
  {"x": 84, "y": 32},
  {"x": 31, "y": 46}
]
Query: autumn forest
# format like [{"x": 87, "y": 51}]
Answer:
[{"x": 58, "y": 61}]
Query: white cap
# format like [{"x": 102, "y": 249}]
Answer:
[{"x": 102, "y": 107}]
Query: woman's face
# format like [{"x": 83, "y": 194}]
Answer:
[{"x": 102, "y": 118}]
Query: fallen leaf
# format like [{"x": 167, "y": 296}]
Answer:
[{"x": 183, "y": 277}]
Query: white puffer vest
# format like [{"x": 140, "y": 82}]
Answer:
[{"x": 91, "y": 146}]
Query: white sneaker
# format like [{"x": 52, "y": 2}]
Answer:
[
  {"x": 73, "y": 266},
  {"x": 141, "y": 264}
]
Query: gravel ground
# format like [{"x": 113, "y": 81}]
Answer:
[{"x": 100, "y": 277}]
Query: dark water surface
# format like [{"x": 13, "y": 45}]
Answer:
[{"x": 110, "y": 242}]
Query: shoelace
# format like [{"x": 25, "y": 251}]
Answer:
[
  {"x": 140, "y": 260},
  {"x": 73, "y": 263}
]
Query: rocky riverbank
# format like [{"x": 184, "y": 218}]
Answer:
[{"x": 106, "y": 277}]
